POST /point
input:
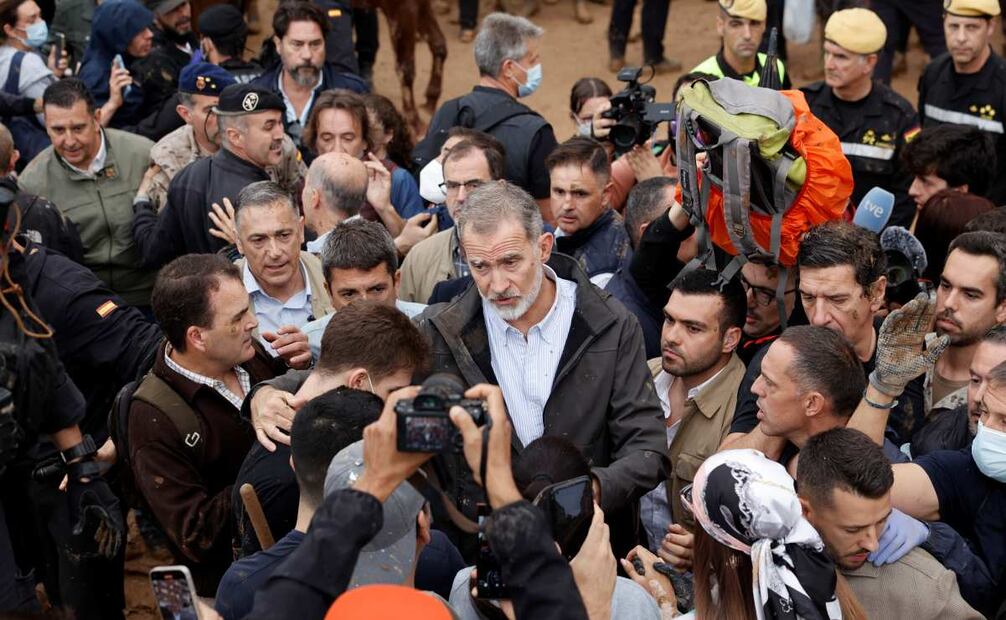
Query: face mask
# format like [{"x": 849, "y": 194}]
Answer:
[
  {"x": 430, "y": 178},
  {"x": 533, "y": 81},
  {"x": 38, "y": 34},
  {"x": 583, "y": 128},
  {"x": 989, "y": 452}
]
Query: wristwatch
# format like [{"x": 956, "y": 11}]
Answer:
[{"x": 84, "y": 449}]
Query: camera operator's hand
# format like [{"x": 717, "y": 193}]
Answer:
[
  {"x": 384, "y": 466},
  {"x": 594, "y": 569},
  {"x": 901, "y": 355},
  {"x": 98, "y": 525},
  {"x": 499, "y": 486},
  {"x": 272, "y": 414},
  {"x": 600, "y": 126}
]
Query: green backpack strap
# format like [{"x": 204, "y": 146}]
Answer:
[{"x": 157, "y": 393}]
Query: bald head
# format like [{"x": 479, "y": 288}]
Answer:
[{"x": 335, "y": 189}]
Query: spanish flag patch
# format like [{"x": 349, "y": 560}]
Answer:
[
  {"x": 106, "y": 308},
  {"x": 911, "y": 133},
  {"x": 335, "y": 13}
]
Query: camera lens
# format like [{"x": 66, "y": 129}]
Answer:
[{"x": 625, "y": 134}]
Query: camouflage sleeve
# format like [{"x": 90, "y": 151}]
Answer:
[{"x": 159, "y": 190}]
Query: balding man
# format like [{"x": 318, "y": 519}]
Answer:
[
  {"x": 873, "y": 122},
  {"x": 334, "y": 191}
]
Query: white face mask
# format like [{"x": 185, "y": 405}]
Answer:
[
  {"x": 989, "y": 452},
  {"x": 430, "y": 179},
  {"x": 583, "y": 128}
]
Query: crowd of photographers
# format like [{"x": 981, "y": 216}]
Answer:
[{"x": 254, "y": 334}]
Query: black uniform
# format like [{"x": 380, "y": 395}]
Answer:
[
  {"x": 183, "y": 225},
  {"x": 899, "y": 16},
  {"x": 244, "y": 71},
  {"x": 158, "y": 71},
  {"x": 44, "y": 224},
  {"x": 873, "y": 132},
  {"x": 527, "y": 137},
  {"x": 976, "y": 99}
]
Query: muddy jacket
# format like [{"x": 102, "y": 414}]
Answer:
[
  {"x": 602, "y": 399},
  {"x": 102, "y": 209},
  {"x": 192, "y": 500}
]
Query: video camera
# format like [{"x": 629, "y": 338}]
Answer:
[
  {"x": 423, "y": 422},
  {"x": 634, "y": 111}
]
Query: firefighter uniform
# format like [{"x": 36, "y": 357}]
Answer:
[
  {"x": 874, "y": 129},
  {"x": 975, "y": 99}
]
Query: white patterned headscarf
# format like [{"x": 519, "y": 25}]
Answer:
[{"x": 748, "y": 503}]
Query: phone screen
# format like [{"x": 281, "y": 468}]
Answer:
[
  {"x": 174, "y": 592},
  {"x": 490, "y": 584},
  {"x": 569, "y": 509}
]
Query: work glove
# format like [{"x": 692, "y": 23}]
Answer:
[
  {"x": 98, "y": 526},
  {"x": 901, "y": 534},
  {"x": 901, "y": 351}
]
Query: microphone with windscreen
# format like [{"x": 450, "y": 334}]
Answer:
[{"x": 874, "y": 210}]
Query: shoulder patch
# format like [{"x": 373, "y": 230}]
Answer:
[{"x": 106, "y": 308}]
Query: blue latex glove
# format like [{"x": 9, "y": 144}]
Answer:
[{"x": 901, "y": 534}]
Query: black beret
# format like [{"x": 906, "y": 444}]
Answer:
[
  {"x": 222, "y": 21},
  {"x": 239, "y": 99}
]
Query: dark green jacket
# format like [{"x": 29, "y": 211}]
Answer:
[{"x": 102, "y": 209}]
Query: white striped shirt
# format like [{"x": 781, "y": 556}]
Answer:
[
  {"x": 244, "y": 379},
  {"x": 525, "y": 368}
]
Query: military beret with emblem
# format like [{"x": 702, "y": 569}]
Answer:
[
  {"x": 239, "y": 99},
  {"x": 972, "y": 8},
  {"x": 203, "y": 78},
  {"x": 748, "y": 9},
  {"x": 860, "y": 31}
]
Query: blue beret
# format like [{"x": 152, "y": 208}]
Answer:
[{"x": 204, "y": 78}]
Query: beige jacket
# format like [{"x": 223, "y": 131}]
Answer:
[
  {"x": 321, "y": 303},
  {"x": 706, "y": 421},
  {"x": 916, "y": 587},
  {"x": 429, "y": 262}
]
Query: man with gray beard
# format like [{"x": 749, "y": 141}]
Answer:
[
  {"x": 299, "y": 30},
  {"x": 568, "y": 357}
]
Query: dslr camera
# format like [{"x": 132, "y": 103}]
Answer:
[
  {"x": 423, "y": 422},
  {"x": 634, "y": 111}
]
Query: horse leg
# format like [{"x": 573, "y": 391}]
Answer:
[
  {"x": 427, "y": 24},
  {"x": 403, "y": 35}
]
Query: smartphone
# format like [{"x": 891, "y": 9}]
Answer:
[
  {"x": 122, "y": 65},
  {"x": 490, "y": 584},
  {"x": 174, "y": 592},
  {"x": 569, "y": 509},
  {"x": 59, "y": 43}
]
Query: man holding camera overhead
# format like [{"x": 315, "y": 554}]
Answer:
[
  {"x": 873, "y": 122},
  {"x": 741, "y": 24},
  {"x": 568, "y": 357}
]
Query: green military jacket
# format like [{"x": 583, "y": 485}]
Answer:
[{"x": 101, "y": 207}]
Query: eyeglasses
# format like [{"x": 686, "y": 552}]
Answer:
[
  {"x": 762, "y": 296},
  {"x": 452, "y": 187}
]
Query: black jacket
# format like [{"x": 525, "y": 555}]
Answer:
[
  {"x": 102, "y": 342},
  {"x": 873, "y": 132},
  {"x": 318, "y": 571},
  {"x": 599, "y": 248},
  {"x": 183, "y": 225},
  {"x": 623, "y": 287},
  {"x": 44, "y": 224},
  {"x": 602, "y": 399}
]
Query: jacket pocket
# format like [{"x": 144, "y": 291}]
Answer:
[{"x": 686, "y": 466}]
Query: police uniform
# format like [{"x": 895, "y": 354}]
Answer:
[
  {"x": 755, "y": 10},
  {"x": 182, "y": 226},
  {"x": 874, "y": 129},
  {"x": 179, "y": 148},
  {"x": 976, "y": 99},
  {"x": 222, "y": 23}
]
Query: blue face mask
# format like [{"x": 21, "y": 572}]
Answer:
[
  {"x": 989, "y": 451},
  {"x": 533, "y": 81},
  {"x": 38, "y": 34}
]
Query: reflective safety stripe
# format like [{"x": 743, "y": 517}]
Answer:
[
  {"x": 960, "y": 118},
  {"x": 854, "y": 149}
]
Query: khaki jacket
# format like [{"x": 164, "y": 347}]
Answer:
[
  {"x": 101, "y": 207},
  {"x": 916, "y": 587},
  {"x": 706, "y": 421},
  {"x": 321, "y": 303},
  {"x": 429, "y": 262}
]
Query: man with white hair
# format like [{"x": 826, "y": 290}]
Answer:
[
  {"x": 507, "y": 55},
  {"x": 567, "y": 356}
]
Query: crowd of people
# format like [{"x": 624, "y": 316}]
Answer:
[{"x": 748, "y": 364}]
